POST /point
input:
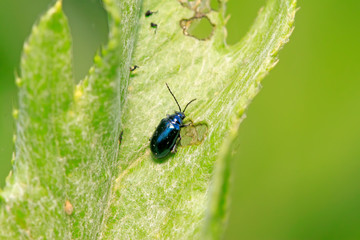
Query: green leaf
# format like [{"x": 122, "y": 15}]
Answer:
[
  {"x": 72, "y": 181},
  {"x": 170, "y": 199},
  {"x": 66, "y": 146}
]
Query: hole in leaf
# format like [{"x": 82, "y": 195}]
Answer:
[
  {"x": 193, "y": 134},
  {"x": 242, "y": 15},
  {"x": 198, "y": 27},
  {"x": 89, "y": 30},
  {"x": 214, "y": 4}
]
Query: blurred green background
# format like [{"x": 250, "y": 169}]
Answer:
[{"x": 297, "y": 168}]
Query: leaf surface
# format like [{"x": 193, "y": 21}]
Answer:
[
  {"x": 169, "y": 199},
  {"x": 71, "y": 180},
  {"x": 67, "y": 135}
]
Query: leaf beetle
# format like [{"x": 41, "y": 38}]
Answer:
[{"x": 167, "y": 133}]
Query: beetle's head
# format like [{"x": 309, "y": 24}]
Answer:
[{"x": 180, "y": 114}]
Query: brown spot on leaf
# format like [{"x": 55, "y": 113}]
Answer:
[{"x": 69, "y": 209}]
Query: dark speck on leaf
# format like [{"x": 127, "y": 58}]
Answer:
[
  {"x": 132, "y": 68},
  {"x": 154, "y": 25},
  {"x": 149, "y": 13}
]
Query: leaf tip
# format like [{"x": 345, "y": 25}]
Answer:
[{"x": 58, "y": 6}]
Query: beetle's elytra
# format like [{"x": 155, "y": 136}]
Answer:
[{"x": 167, "y": 133}]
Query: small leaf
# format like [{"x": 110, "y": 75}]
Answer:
[
  {"x": 31, "y": 197},
  {"x": 66, "y": 143}
]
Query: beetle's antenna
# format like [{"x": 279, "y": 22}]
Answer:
[
  {"x": 189, "y": 103},
  {"x": 174, "y": 97}
]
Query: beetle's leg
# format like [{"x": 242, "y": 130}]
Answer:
[
  {"x": 174, "y": 148},
  {"x": 185, "y": 125}
]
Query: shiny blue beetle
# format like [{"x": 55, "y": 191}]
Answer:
[{"x": 167, "y": 133}]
